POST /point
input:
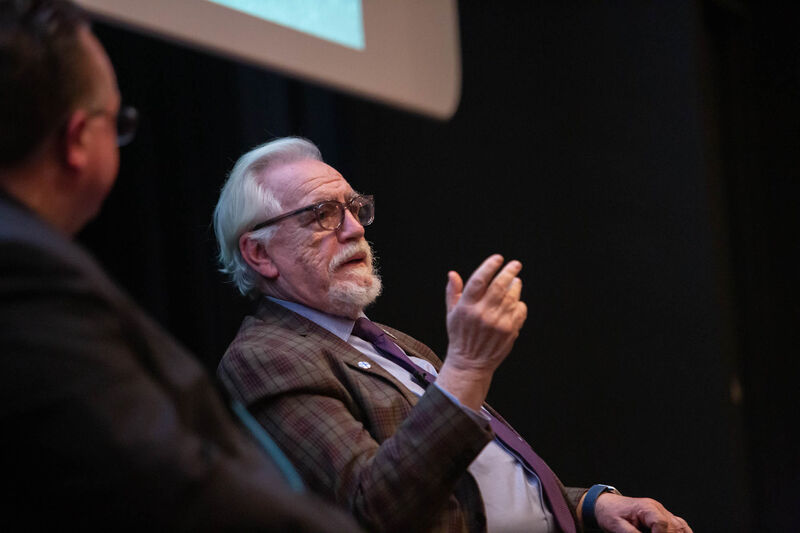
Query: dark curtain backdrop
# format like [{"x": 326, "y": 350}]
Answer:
[{"x": 639, "y": 158}]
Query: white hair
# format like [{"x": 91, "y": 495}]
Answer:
[{"x": 245, "y": 201}]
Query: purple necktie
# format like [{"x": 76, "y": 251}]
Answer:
[{"x": 368, "y": 331}]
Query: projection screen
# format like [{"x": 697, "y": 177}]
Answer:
[{"x": 402, "y": 52}]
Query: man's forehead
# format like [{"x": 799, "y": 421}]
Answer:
[{"x": 306, "y": 179}]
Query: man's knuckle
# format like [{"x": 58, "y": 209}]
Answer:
[
  {"x": 650, "y": 502},
  {"x": 508, "y": 328},
  {"x": 477, "y": 283}
]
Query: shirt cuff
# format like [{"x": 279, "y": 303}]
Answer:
[{"x": 480, "y": 418}]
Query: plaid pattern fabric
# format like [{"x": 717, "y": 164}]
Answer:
[{"x": 356, "y": 435}]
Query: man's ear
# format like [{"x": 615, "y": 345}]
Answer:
[
  {"x": 75, "y": 146},
  {"x": 255, "y": 254}
]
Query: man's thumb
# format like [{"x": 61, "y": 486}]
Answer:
[{"x": 452, "y": 293}]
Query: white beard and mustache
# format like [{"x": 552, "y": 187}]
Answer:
[{"x": 349, "y": 297}]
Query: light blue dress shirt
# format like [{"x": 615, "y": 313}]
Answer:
[{"x": 512, "y": 496}]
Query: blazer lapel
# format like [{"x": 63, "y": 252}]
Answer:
[{"x": 276, "y": 314}]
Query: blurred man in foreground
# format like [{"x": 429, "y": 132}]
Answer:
[{"x": 106, "y": 421}]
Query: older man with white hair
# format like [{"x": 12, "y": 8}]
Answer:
[{"x": 371, "y": 417}]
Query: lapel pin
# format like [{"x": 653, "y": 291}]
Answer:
[{"x": 364, "y": 364}]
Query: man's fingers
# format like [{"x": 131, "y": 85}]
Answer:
[
  {"x": 659, "y": 527},
  {"x": 666, "y": 522},
  {"x": 520, "y": 314},
  {"x": 656, "y": 518},
  {"x": 502, "y": 283},
  {"x": 452, "y": 292},
  {"x": 479, "y": 281},
  {"x": 620, "y": 514},
  {"x": 679, "y": 525},
  {"x": 683, "y": 524},
  {"x": 515, "y": 289}
]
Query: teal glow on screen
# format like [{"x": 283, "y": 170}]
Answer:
[{"x": 339, "y": 21}]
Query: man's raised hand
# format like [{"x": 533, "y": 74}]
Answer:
[{"x": 483, "y": 321}]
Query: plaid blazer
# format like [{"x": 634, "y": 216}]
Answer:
[{"x": 398, "y": 462}]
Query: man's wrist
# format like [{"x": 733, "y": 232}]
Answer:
[
  {"x": 468, "y": 386},
  {"x": 588, "y": 516}
]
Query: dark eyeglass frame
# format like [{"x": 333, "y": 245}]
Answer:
[
  {"x": 367, "y": 199},
  {"x": 127, "y": 120}
]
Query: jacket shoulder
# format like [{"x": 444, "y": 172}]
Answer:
[{"x": 277, "y": 352}]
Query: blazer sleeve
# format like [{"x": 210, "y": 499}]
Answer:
[
  {"x": 109, "y": 423},
  {"x": 357, "y": 439},
  {"x": 572, "y": 495}
]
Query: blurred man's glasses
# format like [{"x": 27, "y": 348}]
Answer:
[
  {"x": 330, "y": 214},
  {"x": 127, "y": 120}
]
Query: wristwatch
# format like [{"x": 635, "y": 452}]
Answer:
[{"x": 589, "y": 501}]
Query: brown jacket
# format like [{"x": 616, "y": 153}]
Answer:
[{"x": 358, "y": 436}]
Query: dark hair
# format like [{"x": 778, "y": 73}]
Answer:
[{"x": 43, "y": 72}]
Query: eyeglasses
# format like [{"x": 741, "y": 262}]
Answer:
[
  {"x": 330, "y": 213},
  {"x": 127, "y": 119}
]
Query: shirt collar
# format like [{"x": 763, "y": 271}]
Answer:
[{"x": 340, "y": 326}]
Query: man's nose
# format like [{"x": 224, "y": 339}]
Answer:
[{"x": 351, "y": 228}]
